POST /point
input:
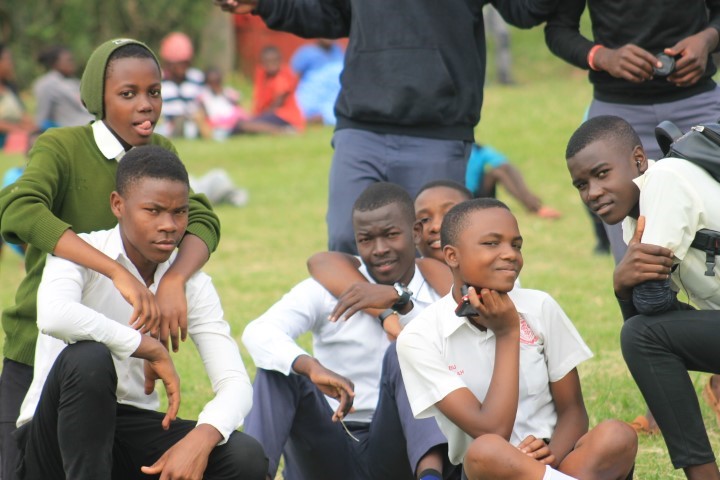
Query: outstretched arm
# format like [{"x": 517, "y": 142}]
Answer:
[{"x": 305, "y": 18}]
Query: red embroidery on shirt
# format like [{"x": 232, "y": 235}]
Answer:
[{"x": 527, "y": 336}]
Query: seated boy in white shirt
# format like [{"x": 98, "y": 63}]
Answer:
[
  {"x": 502, "y": 382},
  {"x": 299, "y": 399},
  {"x": 91, "y": 411}
]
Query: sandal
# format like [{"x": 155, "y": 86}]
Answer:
[
  {"x": 641, "y": 425},
  {"x": 709, "y": 396}
]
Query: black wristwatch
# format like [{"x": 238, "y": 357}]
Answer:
[
  {"x": 404, "y": 293},
  {"x": 385, "y": 314}
]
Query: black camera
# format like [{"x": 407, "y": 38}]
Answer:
[
  {"x": 464, "y": 308},
  {"x": 668, "y": 65}
]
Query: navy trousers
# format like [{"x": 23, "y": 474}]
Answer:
[
  {"x": 362, "y": 158},
  {"x": 291, "y": 417}
]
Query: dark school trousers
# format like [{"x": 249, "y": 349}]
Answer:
[
  {"x": 362, "y": 158},
  {"x": 79, "y": 431},
  {"x": 291, "y": 417},
  {"x": 659, "y": 351},
  {"x": 14, "y": 383}
]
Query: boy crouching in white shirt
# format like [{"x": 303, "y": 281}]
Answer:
[
  {"x": 502, "y": 381},
  {"x": 91, "y": 411}
]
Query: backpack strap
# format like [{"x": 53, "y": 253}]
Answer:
[{"x": 709, "y": 242}]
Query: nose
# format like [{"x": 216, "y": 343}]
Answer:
[
  {"x": 435, "y": 224},
  {"x": 509, "y": 253},
  {"x": 380, "y": 247},
  {"x": 144, "y": 103},
  {"x": 167, "y": 223},
  {"x": 594, "y": 191}
]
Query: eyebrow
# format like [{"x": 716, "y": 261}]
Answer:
[{"x": 498, "y": 235}]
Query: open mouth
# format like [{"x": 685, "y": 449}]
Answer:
[{"x": 434, "y": 243}]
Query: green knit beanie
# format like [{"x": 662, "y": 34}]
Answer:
[{"x": 92, "y": 84}]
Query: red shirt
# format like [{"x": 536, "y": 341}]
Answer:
[{"x": 268, "y": 89}]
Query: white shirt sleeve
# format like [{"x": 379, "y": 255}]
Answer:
[
  {"x": 424, "y": 370},
  {"x": 564, "y": 347},
  {"x": 672, "y": 210},
  {"x": 221, "y": 357},
  {"x": 270, "y": 338},
  {"x": 61, "y": 314}
]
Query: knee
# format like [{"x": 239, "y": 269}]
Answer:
[
  {"x": 245, "y": 454},
  {"x": 482, "y": 453},
  {"x": 88, "y": 366},
  {"x": 616, "y": 439}
]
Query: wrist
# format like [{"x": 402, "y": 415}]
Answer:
[
  {"x": 403, "y": 302},
  {"x": 592, "y": 57},
  {"x": 304, "y": 365},
  {"x": 206, "y": 437}
]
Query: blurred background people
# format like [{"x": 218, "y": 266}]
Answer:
[
  {"x": 318, "y": 66},
  {"x": 181, "y": 86},
  {"x": 16, "y": 125},
  {"x": 57, "y": 92}
]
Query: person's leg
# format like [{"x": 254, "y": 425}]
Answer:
[
  {"x": 605, "y": 452},
  {"x": 401, "y": 446},
  {"x": 71, "y": 433},
  {"x": 14, "y": 384},
  {"x": 492, "y": 457},
  {"x": 659, "y": 350},
  {"x": 415, "y": 161},
  {"x": 291, "y": 416},
  {"x": 359, "y": 160},
  {"x": 140, "y": 441}
]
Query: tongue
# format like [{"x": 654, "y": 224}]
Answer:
[{"x": 146, "y": 125}]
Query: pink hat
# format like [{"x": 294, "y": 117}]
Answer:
[{"x": 176, "y": 47}]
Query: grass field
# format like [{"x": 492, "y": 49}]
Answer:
[{"x": 264, "y": 245}]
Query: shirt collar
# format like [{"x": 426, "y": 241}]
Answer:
[
  {"x": 115, "y": 249},
  {"x": 451, "y": 322},
  {"x": 109, "y": 145}
]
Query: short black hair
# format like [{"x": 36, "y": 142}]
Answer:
[
  {"x": 460, "y": 188},
  {"x": 131, "y": 50},
  {"x": 456, "y": 219},
  {"x": 603, "y": 127},
  {"x": 380, "y": 194},
  {"x": 149, "y": 161},
  {"x": 48, "y": 56}
]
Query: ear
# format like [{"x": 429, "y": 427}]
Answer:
[
  {"x": 417, "y": 232},
  {"x": 640, "y": 158},
  {"x": 117, "y": 205},
  {"x": 451, "y": 256}
]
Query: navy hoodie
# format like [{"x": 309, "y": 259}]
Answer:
[{"x": 412, "y": 67}]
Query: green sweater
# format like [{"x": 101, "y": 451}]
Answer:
[{"x": 67, "y": 184}]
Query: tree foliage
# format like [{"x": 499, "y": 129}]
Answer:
[{"x": 27, "y": 26}]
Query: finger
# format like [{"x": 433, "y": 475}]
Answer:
[
  {"x": 173, "y": 406},
  {"x": 135, "y": 316},
  {"x": 686, "y": 80},
  {"x": 352, "y": 310},
  {"x": 527, "y": 441},
  {"x": 183, "y": 325},
  {"x": 156, "y": 467},
  {"x": 639, "y": 229},
  {"x": 343, "y": 407},
  {"x": 549, "y": 460},
  {"x": 174, "y": 334},
  {"x": 339, "y": 309}
]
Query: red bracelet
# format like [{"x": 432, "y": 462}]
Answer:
[{"x": 591, "y": 57}]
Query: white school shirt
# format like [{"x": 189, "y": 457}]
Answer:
[
  {"x": 440, "y": 352},
  {"x": 678, "y": 198},
  {"x": 353, "y": 348},
  {"x": 76, "y": 303}
]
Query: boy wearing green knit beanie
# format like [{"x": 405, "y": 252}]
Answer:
[{"x": 65, "y": 190}]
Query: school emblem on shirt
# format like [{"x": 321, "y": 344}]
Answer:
[{"x": 527, "y": 336}]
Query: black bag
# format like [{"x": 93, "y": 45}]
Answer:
[{"x": 701, "y": 145}]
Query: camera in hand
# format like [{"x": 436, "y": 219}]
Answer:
[
  {"x": 668, "y": 65},
  {"x": 465, "y": 308}
]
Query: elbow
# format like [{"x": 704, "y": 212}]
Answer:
[{"x": 51, "y": 319}]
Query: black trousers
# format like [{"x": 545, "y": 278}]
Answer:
[
  {"x": 659, "y": 350},
  {"x": 14, "y": 383},
  {"x": 79, "y": 431}
]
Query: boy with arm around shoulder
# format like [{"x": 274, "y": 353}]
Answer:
[{"x": 503, "y": 384}]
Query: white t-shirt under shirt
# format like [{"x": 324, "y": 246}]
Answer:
[
  {"x": 440, "y": 353},
  {"x": 678, "y": 198}
]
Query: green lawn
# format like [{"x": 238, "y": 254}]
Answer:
[{"x": 264, "y": 245}]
